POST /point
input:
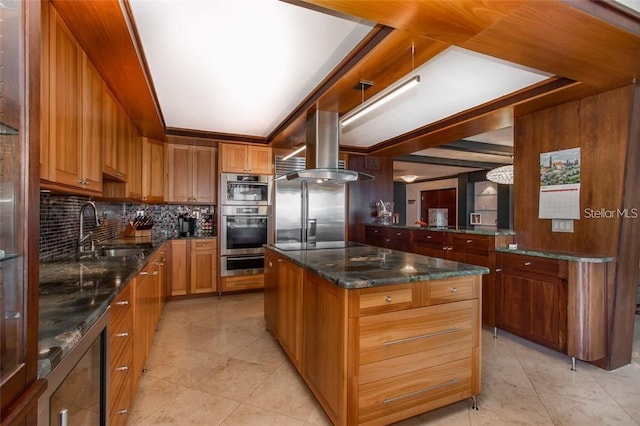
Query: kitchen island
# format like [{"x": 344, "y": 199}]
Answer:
[{"x": 378, "y": 335}]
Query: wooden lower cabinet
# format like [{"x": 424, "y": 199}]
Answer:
[
  {"x": 532, "y": 299},
  {"x": 379, "y": 355},
  {"x": 193, "y": 266},
  {"x": 120, "y": 366},
  {"x": 242, "y": 282}
]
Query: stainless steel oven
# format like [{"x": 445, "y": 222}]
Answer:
[
  {"x": 245, "y": 189},
  {"x": 243, "y": 232}
]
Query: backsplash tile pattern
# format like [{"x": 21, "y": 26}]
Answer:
[{"x": 59, "y": 221}]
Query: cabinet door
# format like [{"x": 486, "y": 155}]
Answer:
[
  {"x": 65, "y": 108},
  {"x": 180, "y": 173},
  {"x": 140, "y": 319},
  {"x": 290, "y": 279},
  {"x": 204, "y": 175},
  {"x": 233, "y": 158},
  {"x": 153, "y": 170},
  {"x": 123, "y": 136},
  {"x": 134, "y": 168},
  {"x": 512, "y": 302},
  {"x": 179, "y": 278},
  {"x": 259, "y": 160},
  {"x": 110, "y": 123},
  {"x": 92, "y": 123},
  {"x": 203, "y": 266},
  {"x": 271, "y": 290}
]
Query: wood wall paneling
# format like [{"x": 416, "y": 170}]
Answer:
[
  {"x": 606, "y": 127},
  {"x": 363, "y": 195}
]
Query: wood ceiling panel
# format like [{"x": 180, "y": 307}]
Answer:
[
  {"x": 102, "y": 31},
  {"x": 564, "y": 41},
  {"x": 451, "y": 22}
]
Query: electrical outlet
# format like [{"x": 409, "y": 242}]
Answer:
[
  {"x": 139, "y": 213},
  {"x": 561, "y": 225}
]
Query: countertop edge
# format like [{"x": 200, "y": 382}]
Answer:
[{"x": 572, "y": 257}]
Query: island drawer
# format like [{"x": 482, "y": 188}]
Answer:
[
  {"x": 384, "y": 299},
  {"x": 120, "y": 403},
  {"x": 450, "y": 290},
  {"x": 401, "y": 333},
  {"x": 121, "y": 306},
  {"x": 414, "y": 392},
  {"x": 120, "y": 369},
  {"x": 430, "y": 238}
]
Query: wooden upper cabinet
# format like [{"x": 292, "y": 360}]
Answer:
[
  {"x": 192, "y": 174},
  {"x": 92, "y": 126},
  {"x": 65, "y": 108},
  {"x": 237, "y": 158},
  {"x": 116, "y": 134},
  {"x": 134, "y": 166},
  {"x": 153, "y": 170},
  {"x": 73, "y": 140}
]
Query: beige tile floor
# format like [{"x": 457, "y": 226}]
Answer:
[{"x": 212, "y": 362}]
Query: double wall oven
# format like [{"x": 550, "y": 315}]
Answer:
[{"x": 245, "y": 217}]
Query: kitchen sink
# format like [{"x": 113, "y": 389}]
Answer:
[{"x": 129, "y": 251}]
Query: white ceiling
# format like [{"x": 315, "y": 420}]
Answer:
[{"x": 240, "y": 67}]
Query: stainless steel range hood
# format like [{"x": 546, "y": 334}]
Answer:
[{"x": 322, "y": 148}]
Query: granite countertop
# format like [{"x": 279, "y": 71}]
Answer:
[
  {"x": 363, "y": 266},
  {"x": 77, "y": 290},
  {"x": 570, "y": 256},
  {"x": 460, "y": 230}
]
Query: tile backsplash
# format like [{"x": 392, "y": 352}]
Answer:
[{"x": 59, "y": 221}]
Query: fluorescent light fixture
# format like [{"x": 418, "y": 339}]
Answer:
[
  {"x": 409, "y": 178},
  {"x": 297, "y": 151},
  {"x": 378, "y": 101}
]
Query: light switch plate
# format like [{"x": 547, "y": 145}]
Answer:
[{"x": 562, "y": 225}]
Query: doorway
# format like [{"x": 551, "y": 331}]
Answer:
[{"x": 439, "y": 199}]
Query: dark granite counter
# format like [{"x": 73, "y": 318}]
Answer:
[
  {"x": 570, "y": 256},
  {"x": 362, "y": 266},
  {"x": 460, "y": 230}
]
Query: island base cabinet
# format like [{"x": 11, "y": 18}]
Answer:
[{"x": 379, "y": 355}]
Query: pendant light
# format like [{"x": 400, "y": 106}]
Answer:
[{"x": 502, "y": 175}]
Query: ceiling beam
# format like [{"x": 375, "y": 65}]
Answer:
[
  {"x": 423, "y": 159},
  {"x": 479, "y": 148}
]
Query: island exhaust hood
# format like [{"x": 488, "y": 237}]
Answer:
[{"x": 322, "y": 148}]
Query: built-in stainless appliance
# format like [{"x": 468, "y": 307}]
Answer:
[
  {"x": 76, "y": 392},
  {"x": 243, "y": 232},
  {"x": 245, "y": 189},
  {"x": 307, "y": 212}
]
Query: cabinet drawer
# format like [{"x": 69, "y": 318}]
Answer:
[
  {"x": 470, "y": 242},
  {"x": 400, "y": 333},
  {"x": 120, "y": 406},
  {"x": 120, "y": 337},
  {"x": 533, "y": 265},
  {"x": 450, "y": 290},
  {"x": 373, "y": 300},
  {"x": 247, "y": 282},
  {"x": 430, "y": 238},
  {"x": 208, "y": 244},
  {"x": 380, "y": 401},
  {"x": 121, "y": 306},
  {"x": 120, "y": 370}
]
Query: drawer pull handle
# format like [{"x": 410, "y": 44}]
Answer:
[
  {"x": 388, "y": 299},
  {"x": 154, "y": 273},
  {"x": 122, "y": 303},
  {"x": 422, "y": 336},
  {"x": 123, "y": 368},
  {"x": 454, "y": 290},
  {"x": 123, "y": 411},
  {"x": 144, "y": 273},
  {"x": 451, "y": 381},
  {"x": 428, "y": 237},
  {"x": 527, "y": 263},
  {"x": 498, "y": 269},
  {"x": 125, "y": 334},
  {"x": 469, "y": 241}
]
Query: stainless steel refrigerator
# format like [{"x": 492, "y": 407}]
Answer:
[{"x": 309, "y": 212}]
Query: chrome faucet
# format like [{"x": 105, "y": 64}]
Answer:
[{"x": 81, "y": 237}]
